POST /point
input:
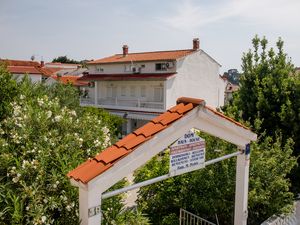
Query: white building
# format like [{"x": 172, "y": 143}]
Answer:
[
  {"x": 139, "y": 86},
  {"x": 20, "y": 68}
]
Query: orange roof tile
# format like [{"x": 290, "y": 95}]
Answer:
[
  {"x": 144, "y": 56},
  {"x": 74, "y": 80},
  {"x": 107, "y": 158},
  {"x": 23, "y": 70},
  {"x": 10, "y": 62}
]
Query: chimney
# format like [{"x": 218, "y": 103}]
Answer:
[
  {"x": 125, "y": 50},
  {"x": 196, "y": 44},
  {"x": 42, "y": 63}
]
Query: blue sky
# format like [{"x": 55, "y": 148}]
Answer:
[{"x": 91, "y": 29}]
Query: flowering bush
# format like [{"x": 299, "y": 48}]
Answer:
[{"x": 40, "y": 142}]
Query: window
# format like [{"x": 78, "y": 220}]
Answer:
[
  {"x": 132, "y": 91},
  {"x": 123, "y": 91},
  {"x": 143, "y": 91},
  {"x": 111, "y": 92},
  {"x": 99, "y": 69},
  {"x": 160, "y": 66},
  {"x": 127, "y": 68},
  {"x": 158, "y": 94}
]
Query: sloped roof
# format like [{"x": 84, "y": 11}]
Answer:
[
  {"x": 10, "y": 62},
  {"x": 144, "y": 56},
  {"x": 25, "y": 67},
  {"x": 74, "y": 80},
  {"x": 108, "y": 157},
  {"x": 92, "y": 77}
]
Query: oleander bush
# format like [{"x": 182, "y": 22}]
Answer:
[{"x": 43, "y": 135}]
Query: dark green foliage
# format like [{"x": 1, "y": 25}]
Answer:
[
  {"x": 8, "y": 91},
  {"x": 65, "y": 59},
  {"x": 269, "y": 97}
]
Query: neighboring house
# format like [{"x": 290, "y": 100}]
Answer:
[
  {"x": 67, "y": 80},
  {"x": 20, "y": 68},
  {"x": 230, "y": 89},
  {"x": 140, "y": 86},
  {"x": 62, "y": 65}
]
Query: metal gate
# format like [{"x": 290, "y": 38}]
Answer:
[{"x": 188, "y": 218}]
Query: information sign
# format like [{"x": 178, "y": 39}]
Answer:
[{"x": 187, "y": 154}]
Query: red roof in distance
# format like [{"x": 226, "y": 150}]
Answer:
[{"x": 144, "y": 56}]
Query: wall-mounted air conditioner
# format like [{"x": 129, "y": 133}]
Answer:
[
  {"x": 170, "y": 65},
  {"x": 136, "y": 69}
]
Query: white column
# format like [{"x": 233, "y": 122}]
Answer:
[
  {"x": 241, "y": 189},
  {"x": 89, "y": 207},
  {"x": 96, "y": 93},
  {"x": 129, "y": 127}
]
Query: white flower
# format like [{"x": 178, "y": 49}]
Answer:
[
  {"x": 45, "y": 200},
  {"x": 22, "y": 97},
  {"x": 54, "y": 186},
  {"x": 57, "y": 118},
  {"x": 15, "y": 179},
  {"x": 68, "y": 208},
  {"x": 27, "y": 208},
  {"x": 44, "y": 218},
  {"x": 73, "y": 113},
  {"x": 49, "y": 114}
]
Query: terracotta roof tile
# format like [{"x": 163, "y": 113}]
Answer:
[
  {"x": 10, "y": 62},
  {"x": 185, "y": 108},
  {"x": 186, "y": 100},
  {"x": 74, "y": 80},
  {"x": 175, "y": 108},
  {"x": 144, "y": 56},
  {"x": 88, "y": 170},
  {"x": 107, "y": 158},
  {"x": 170, "y": 118},
  {"x": 149, "y": 129},
  {"x": 111, "y": 154},
  {"x": 134, "y": 142},
  {"x": 125, "y": 140}
]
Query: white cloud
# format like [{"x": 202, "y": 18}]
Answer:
[{"x": 188, "y": 14}]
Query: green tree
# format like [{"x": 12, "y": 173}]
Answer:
[
  {"x": 269, "y": 97},
  {"x": 8, "y": 91},
  {"x": 65, "y": 59}
]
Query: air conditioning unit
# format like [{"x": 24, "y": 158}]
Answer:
[
  {"x": 169, "y": 65},
  {"x": 136, "y": 69}
]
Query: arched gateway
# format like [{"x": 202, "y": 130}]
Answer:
[{"x": 96, "y": 175}]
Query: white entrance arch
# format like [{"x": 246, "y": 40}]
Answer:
[{"x": 96, "y": 175}]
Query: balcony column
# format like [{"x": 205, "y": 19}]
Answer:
[
  {"x": 128, "y": 127},
  {"x": 96, "y": 93}
]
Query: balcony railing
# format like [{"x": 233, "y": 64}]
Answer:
[
  {"x": 136, "y": 103},
  {"x": 123, "y": 103}
]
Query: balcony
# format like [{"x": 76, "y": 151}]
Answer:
[{"x": 125, "y": 104}]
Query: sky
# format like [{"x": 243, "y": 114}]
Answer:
[{"x": 92, "y": 29}]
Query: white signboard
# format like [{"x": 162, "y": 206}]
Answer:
[{"x": 187, "y": 154}]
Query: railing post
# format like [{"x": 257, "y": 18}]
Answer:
[{"x": 96, "y": 93}]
